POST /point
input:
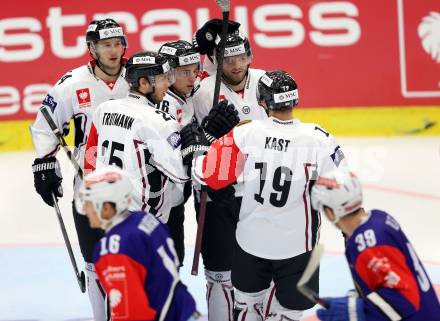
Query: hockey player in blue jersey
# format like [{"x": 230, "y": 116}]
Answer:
[
  {"x": 391, "y": 282},
  {"x": 135, "y": 261}
]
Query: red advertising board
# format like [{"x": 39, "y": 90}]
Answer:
[{"x": 342, "y": 53}]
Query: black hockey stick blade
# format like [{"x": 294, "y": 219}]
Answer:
[
  {"x": 56, "y": 131},
  {"x": 81, "y": 278},
  {"x": 310, "y": 269},
  {"x": 224, "y": 5}
]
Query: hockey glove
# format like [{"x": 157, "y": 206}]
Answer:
[
  {"x": 193, "y": 141},
  {"x": 220, "y": 120},
  {"x": 47, "y": 178},
  {"x": 204, "y": 38},
  {"x": 347, "y": 308},
  {"x": 223, "y": 197}
]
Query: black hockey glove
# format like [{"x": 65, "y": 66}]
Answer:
[
  {"x": 47, "y": 178},
  {"x": 193, "y": 141},
  {"x": 220, "y": 120},
  {"x": 204, "y": 38},
  {"x": 223, "y": 197}
]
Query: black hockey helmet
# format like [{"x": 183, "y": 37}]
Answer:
[
  {"x": 180, "y": 53},
  {"x": 105, "y": 29},
  {"x": 278, "y": 90},
  {"x": 236, "y": 44},
  {"x": 147, "y": 64}
]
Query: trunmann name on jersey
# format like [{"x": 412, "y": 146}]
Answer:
[
  {"x": 115, "y": 119},
  {"x": 278, "y": 144}
]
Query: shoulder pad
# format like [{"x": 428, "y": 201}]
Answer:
[{"x": 243, "y": 122}]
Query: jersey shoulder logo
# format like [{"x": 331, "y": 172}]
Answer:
[
  {"x": 83, "y": 96},
  {"x": 243, "y": 122},
  {"x": 174, "y": 140},
  {"x": 337, "y": 156},
  {"x": 148, "y": 224},
  {"x": 50, "y": 102}
]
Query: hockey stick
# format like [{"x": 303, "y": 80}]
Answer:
[
  {"x": 225, "y": 6},
  {"x": 61, "y": 140},
  {"x": 81, "y": 278},
  {"x": 308, "y": 273},
  {"x": 199, "y": 236}
]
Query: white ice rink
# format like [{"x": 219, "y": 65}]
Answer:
[{"x": 400, "y": 175}]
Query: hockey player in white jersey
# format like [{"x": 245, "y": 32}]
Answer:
[
  {"x": 132, "y": 134},
  {"x": 204, "y": 42},
  {"x": 279, "y": 157},
  {"x": 76, "y": 96},
  {"x": 178, "y": 100},
  {"x": 178, "y": 103},
  {"x": 238, "y": 86},
  {"x": 239, "y": 81}
]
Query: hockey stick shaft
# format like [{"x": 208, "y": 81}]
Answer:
[
  {"x": 79, "y": 277},
  {"x": 224, "y": 5},
  {"x": 199, "y": 236},
  {"x": 56, "y": 131},
  {"x": 221, "y": 53},
  {"x": 308, "y": 273}
]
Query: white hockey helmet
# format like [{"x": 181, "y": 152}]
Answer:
[
  {"x": 107, "y": 184},
  {"x": 341, "y": 191}
]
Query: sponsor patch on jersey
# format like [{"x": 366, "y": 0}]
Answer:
[
  {"x": 117, "y": 276},
  {"x": 286, "y": 96},
  {"x": 83, "y": 96},
  {"x": 246, "y": 109},
  {"x": 337, "y": 156},
  {"x": 111, "y": 33},
  {"x": 148, "y": 224},
  {"x": 174, "y": 140},
  {"x": 50, "y": 102}
]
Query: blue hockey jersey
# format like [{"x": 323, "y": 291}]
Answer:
[
  {"x": 138, "y": 268},
  {"x": 388, "y": 274}
]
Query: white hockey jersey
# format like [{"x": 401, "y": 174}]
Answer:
[
  {"x": 75, "y": 96},
  {"x": 131, "y": 133},
  {"x": 279, "y": 161},
  {"x": 183, "y": 111},
  {"x": 246, "y": 104}
]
